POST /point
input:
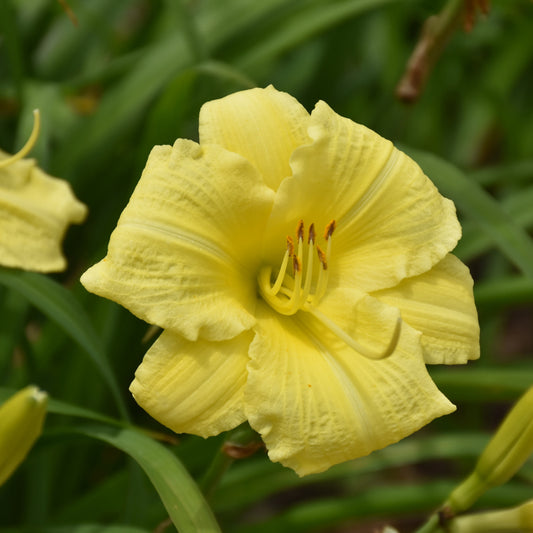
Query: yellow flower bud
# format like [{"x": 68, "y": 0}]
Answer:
[
  {"x": 21, "y": 422},
  {"x": 516, "y": 520},
  {"x": 504, "y": 455}
]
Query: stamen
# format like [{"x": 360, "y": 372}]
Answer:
[
  {"x": 322, "y": 257},
  {"x": 287, "y": 295},
  {"x": 290, "y": 293},
  {"x": 30, "y": 143},
  {"x": 309, "y": 271},
  {"x": 279, "y": 280},
  {"x": 290, "y": 245},
  {"x": 330, "y": 228},
  {"x": 281, "y": 275},
  {"x": 323, "y": 275},
  {"x": 294, "y": 301},
  {"x": 365, "y": 352},
  {"x": 296, "y": 264},
  {"x": 300, "y": 230},
  {"x": 312, "y": 235},
  {"x": 322, "y": 281}
]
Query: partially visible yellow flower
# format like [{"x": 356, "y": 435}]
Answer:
[
  {"x": 21, "y": 423},
  {"x": 299, "y": 265},
  {"x": 35, "y": 211}
]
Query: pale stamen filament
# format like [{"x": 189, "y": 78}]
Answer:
[
  {"x": 281, "y": 276},
  {"x": 323, "y": 275},
  {"x": 293, "y": 303},
  {"x": 30, "y": 143},
  {"x": 359, "y": 348},
  {"x": 309, "y": 271}
]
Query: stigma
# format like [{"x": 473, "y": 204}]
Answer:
[{"x": 302, "y": 278}]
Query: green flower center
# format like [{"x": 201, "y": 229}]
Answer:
[{"x": 307, "y": 284}]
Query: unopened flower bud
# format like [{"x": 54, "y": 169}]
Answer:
[
  {"x": 21, "y": 422},
  {"x": 516, "y": 520},
  {"x": 504, "y": 455}
]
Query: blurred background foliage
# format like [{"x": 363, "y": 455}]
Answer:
[{"x": 113, "y": 78}]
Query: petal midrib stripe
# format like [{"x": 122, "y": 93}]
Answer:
[
  {"x": 376, "y": 185},
  {"x": 208, "y": 247}
]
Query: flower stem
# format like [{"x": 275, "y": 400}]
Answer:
[
  {"x": 433, "y": 525},
  {"x": 216, "y": 470},
  {"x": 240, "y": 443},
  {"x": 435, "y": 34}
]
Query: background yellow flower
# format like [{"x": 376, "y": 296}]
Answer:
[{"x": 35, "y": 212}]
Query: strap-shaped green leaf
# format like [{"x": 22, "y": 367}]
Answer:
[
  {"x": 475, "y": 202},
  {"x": 61, "y": 306},
  {"x": 180, "y": 495}
]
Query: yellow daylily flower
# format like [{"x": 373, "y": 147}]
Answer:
[
  {"x": 35, "y": 211},
  {"x": 299, "y": 265}
]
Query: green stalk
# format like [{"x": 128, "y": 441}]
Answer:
[{"x": 432, "y": 525}]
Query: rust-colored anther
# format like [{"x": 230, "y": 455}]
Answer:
[
  {"x": 312, "y": 235},
  {"x": 322, "y": 257},
  {"x": 290, "y": 245},
  {"x": 330, "y": 228},
  {"x": 300, "y": 230}
]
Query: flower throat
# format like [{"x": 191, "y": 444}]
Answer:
[{"x": 304, "y": 289}]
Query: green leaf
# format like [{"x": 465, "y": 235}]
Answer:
[
  {"x": 519, "y": 172},
  {"x": 474, "y": 202},
  {"x": 480, "y": 385},
  {"x": 179, "y": 493},
  {"x": 230, "y": 496},
  {"x": 80, "y": 528},
  {"x": 303, "y": 20},
  {"x": 393, "y": 499},
  {"x": 59, "y": 305},
  {"x": 474, "y": 243},
  {"x": 500, "y": 292}
]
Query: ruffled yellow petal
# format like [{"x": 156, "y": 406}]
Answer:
[
  {"x": 391, "y": 221},
  {"x": 263, "y": 125},
  {"x": 194, "y": 387},
  {"x": 35, "y": 211},
  {"x": 440, "y": 304},
  {"x": 184, "y": 253},
  {"x": 317, "y": 403}
]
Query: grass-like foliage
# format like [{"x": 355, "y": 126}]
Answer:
[{"x": 114, "y": 78}]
